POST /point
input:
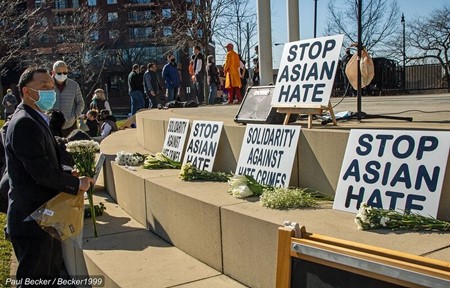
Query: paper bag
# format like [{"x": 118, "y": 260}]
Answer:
[
  {"x": 367, "y": 70},
  {"x": 61, "y": 216}
]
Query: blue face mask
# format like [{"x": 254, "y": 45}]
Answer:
[{"x": 47, "y": 99}]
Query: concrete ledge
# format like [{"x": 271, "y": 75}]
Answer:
[
  {"x": 128, "y": 255},
  {"x": 188, "y": 215}
]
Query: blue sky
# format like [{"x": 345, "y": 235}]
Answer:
[{"x": 411, "y": 9}]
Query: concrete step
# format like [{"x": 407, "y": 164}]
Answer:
[{"x": 128, "y": 255}]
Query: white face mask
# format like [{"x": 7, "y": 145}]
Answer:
[{"x": 60, "y": 78}]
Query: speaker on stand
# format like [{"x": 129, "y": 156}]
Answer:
[{"x": 256, "y": 108}]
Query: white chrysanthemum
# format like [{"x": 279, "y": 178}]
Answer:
[
  {"x": 384, "y": 221},
  {"x": 237, "y": 180},
  {"x": 241, "y": 191}
]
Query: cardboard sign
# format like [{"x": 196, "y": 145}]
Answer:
[
  {"x": 175, "y": 138},
  {"x": 398, "y": 170},
  {"x": 306, "y": 73},
  {"x": 201, "y": 150},
  {"x": 268, "y": 152}
]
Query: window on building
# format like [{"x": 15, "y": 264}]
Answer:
[
  {"x": 92, "y": 2},
  {"x": 166, "y": 12},
  {"x": 197, "y": 2},
  {"x": 93, "y": 18},
  {"x": 200, "y": 33},
  {"x": 114, "y": 34},
  {"x": 113, "y": 16},
  {"x": 75, "y": 3},
  {"x": 140, "y": 15},
  {"x": 94, "y": 35},
  {"x": 141, "y": 33},
  {"x": 60, "y": 39},
  {"x": 44, "y": 39},
  {"x": 60, "y": 4},
  {"x": 38, "y": 3},
  {"x": 167, "y": 30},
  {"x": 109, "y": 2},
  {"x": 189, "y": 1},
  {"x": 189, "y": 15},
  {"x": 43, "y": 22},
  {"x": 140, "y": 1},
  {"x": 60, "y": 20}
]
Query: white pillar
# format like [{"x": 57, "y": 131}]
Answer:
[
  {"x": 264, "y": 42},
  {"x": 293, "y": 20}
]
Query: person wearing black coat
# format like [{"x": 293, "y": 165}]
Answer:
[{"x": 35, "y": 177}]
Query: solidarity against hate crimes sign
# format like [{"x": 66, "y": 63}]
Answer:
[
  {"x": 202, "y": 146},
  {"x": 268, "y": 152},
  {"x": 175, "y": 138},
  {"x": 397, "y": 170},
  {"x": 306, "y": 73}
]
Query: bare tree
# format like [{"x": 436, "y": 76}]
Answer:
[
  {"x": 430, "y": 38},
  {"x": 232, "y": 27},
  {"x": 380, "y": 19},
  {"x": 78, "y": 43},
  {"x": 15, "y": 30}
]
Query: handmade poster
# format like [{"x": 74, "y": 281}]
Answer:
[
  {"x": 398, "y": 170},
  {"x": 306, "y": 73},
  {"x": 268, "y": 152},
  {"x": 175, "y": 138},
  {"x": 203, "y": 143}
]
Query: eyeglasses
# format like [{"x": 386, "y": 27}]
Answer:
[{"x": 60, "y": 73}]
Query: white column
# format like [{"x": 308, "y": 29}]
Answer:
[
  {"x": 264, "y": 42},
  {"x": 293, "y": 20}
]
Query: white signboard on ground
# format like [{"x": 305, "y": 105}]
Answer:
[
  {"x": 203, "y": 142},
  {"x": 399, "y": 170},
  {"x": 268, "y": 152},
  {"x": 175, "y": 137},
  {"x": 306, "y": 73}
]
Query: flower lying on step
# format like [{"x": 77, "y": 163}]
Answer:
[
  {"x": 292, "y": 198},
  {"x": 189, "y": 173},
  {"x": 242, "y": 186},
  {"x": 124, "y": 158},
  {"x": 160, "y": 161},
  {"x": 375, "y": 218}
]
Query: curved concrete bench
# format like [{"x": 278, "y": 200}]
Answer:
[{"x": 235, "y": 237}]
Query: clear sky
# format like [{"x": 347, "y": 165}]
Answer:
[{"x": 410, "y": 8}]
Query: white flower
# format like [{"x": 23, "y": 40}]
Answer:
[
  {"x": 241, "y": 191},
  {"x": 237, "y": 180},
  {"x": 383, "y": 221}
]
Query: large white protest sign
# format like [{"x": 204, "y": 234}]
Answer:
[
  {"x": 268, "y": 152},
  {"x": 398, "y": 170},
  {"x": 306, "y": 73},
  {"x": 202, "y": 146},
  {"x": 175, "y": 138}
]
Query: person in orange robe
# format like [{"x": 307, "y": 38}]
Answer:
[{"x": 232, "y": 77}]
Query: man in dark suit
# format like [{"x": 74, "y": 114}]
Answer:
[{"x": 36, "y": 176}]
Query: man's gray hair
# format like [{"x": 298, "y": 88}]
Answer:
[{"x": 59, "y": 63}]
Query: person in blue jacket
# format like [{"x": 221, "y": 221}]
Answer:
[{"x": 171, "y": 78}]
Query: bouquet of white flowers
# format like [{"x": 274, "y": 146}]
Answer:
[
  {"x": 160, "y": 161},
  {"x": 83, "y": 153},
  {"x": 124, "y": 158},
  {"x": 292, "y": 198},
  {"x": 375, "y": 218},
  {"x": 242, "y": 186},
  {"x": 190, "y": 173}
]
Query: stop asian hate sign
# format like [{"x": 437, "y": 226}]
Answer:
[
  {"x": 396, "y": 170},
  {"x": 306, "y": 72}
]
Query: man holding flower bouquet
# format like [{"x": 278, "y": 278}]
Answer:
[{"x": 36, "y": 176}]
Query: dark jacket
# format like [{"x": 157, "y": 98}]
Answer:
[
  {"x": 34, "y": 168},
  {"x": 170, "y": 75},
  {"x": 213, "y": 74}
]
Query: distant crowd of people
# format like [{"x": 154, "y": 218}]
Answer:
[{"x": 146, "y": 90}]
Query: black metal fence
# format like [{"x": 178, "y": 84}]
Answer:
[{"x": 429, "y": 78}]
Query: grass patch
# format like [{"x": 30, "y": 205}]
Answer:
[{"x": 5, "y": 254}]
